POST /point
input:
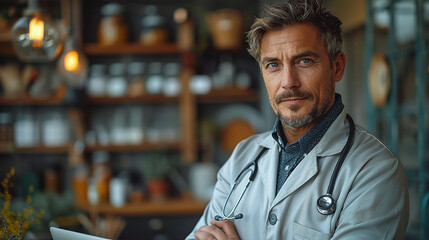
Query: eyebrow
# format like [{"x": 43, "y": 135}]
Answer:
[
  {"x": 306, "y": 54},
  {"x": 301, "y": 55}
]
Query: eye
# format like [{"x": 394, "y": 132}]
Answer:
[
  {"x": 305, "y": 62},
  {"x": 272, "y": 65}
]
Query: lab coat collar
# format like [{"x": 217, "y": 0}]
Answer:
[{"x": 331, "y": 143}]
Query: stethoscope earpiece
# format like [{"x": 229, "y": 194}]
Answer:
[{"x": 326, "y": 204}]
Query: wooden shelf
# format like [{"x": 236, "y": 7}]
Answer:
[
  {"x": 130, "y": 48},
  {"x": 35, "y": 149},
  {"x": 26, "y": 100},
  {"x": 55, "y": 99},
  {"x": 140, "y": 99},
  {"x": 228, "y": 95},
  {"x": 173, "y": 145},
  {"x": 177, "y": 206}
]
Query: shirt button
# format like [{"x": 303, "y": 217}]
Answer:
[{"x": 272, "y": 219}]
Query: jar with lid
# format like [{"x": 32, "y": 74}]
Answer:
[
  {"x": 117, "y": 83},
  {"x": 171, "y": 86},
  {"x": 155, "y": 78},
  {"x": 135, "y": 72},
  {"x": 55, "y": 128},
  {"x": 96, "y": 85},
  {"x": 154, "y": 30},
  {"x": 26, "y": 129},
  {"x": 112, "y": 28}
]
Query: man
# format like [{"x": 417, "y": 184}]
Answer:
[{"x": 298, "y": 47}]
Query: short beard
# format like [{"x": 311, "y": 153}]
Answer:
[{"x": 312, "y": 116}]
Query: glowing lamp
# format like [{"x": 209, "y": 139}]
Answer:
[
  {"x": 72, "y": 63},
  {"x": 35, "y": 37}
]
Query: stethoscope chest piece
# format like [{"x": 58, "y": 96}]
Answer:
[{"x": 326, "y": 204}]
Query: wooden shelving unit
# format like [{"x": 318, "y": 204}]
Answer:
[{"x": 187, "y": 102}]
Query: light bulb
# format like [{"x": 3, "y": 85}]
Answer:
[
  {"x": 35, "y": 37},
  {"x": 71, "y": 61},
  {"x": 36, "y": 31},
  {"x": 73, "y": 64}
]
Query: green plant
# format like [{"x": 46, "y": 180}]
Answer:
[
  {"x": 158, "y": 165},
  {"x": 15, "y": 224}
]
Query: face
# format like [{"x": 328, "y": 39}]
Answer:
[{"x": 298, "y": 74}]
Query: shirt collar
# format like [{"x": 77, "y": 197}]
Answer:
[{"x": 307, "y": 142}]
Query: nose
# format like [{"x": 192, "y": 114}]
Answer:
[{"x": 290, "y": 78}]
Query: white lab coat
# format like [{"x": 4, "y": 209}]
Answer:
[{"x": 371, "y": 190}]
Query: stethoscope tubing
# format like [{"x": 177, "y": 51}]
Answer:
[{"x": 343, "y": 155}]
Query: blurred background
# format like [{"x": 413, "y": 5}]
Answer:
[{"x": 116, "y": 115}]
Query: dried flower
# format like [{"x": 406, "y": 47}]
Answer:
[{"x": 15, "y": 224}]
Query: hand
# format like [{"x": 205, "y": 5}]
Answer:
[{"x": 219, "y": 230}]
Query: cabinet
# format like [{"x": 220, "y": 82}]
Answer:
[
  {"x": 397, "y": 30},
  {"x": 189, "y": 109},
  {"x": 186, "y": 105}
]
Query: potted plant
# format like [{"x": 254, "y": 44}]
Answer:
[{"x": 155, "y": 169}]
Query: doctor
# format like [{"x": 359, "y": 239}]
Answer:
[{"x": 295, "y": 192}]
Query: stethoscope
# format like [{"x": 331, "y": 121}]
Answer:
[{"x": 326, "y": 204}]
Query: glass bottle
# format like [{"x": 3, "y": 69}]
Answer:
[
  {"x": 101, "y": 174},
  {"x": 112, "y": 28}
]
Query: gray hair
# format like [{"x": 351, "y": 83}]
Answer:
[{"x": 292, "y": 12}]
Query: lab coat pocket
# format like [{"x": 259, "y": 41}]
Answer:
[{"x": 301, "y": 232}]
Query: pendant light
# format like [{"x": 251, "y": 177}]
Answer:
[
  {"x": 72, "y": 64},
  {"x": 35, "y": 37}
]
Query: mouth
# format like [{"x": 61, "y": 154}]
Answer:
[
  {"x": 292, "y": 97},
  {"x": 293, "y": 100}
]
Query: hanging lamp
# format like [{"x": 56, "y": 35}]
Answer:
[
  {"x": 35, "y": 37},
  {"x": 72, "y": 64}
]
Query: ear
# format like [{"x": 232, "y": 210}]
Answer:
[{"x": 339, "y": 66}]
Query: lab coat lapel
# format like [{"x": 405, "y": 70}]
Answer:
[
  {"x": 305, "y": 170},
  {"x": 268, "y": 167}
]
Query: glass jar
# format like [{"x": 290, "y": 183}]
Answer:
[
  {"x": 155, "y": 79},
  {"x": 171, "y": 86},
  {"x": 26, "y": 130},
  {"x": 135, "y": 72},
  {"x": 154, "y": 30},
  {"x": 96, "y": 85},
  {"x": 112, "y": 28},
  {"x": 117, "y": 84}
]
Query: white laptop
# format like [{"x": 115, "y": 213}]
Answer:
[{"x": 61, "y": 234}]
